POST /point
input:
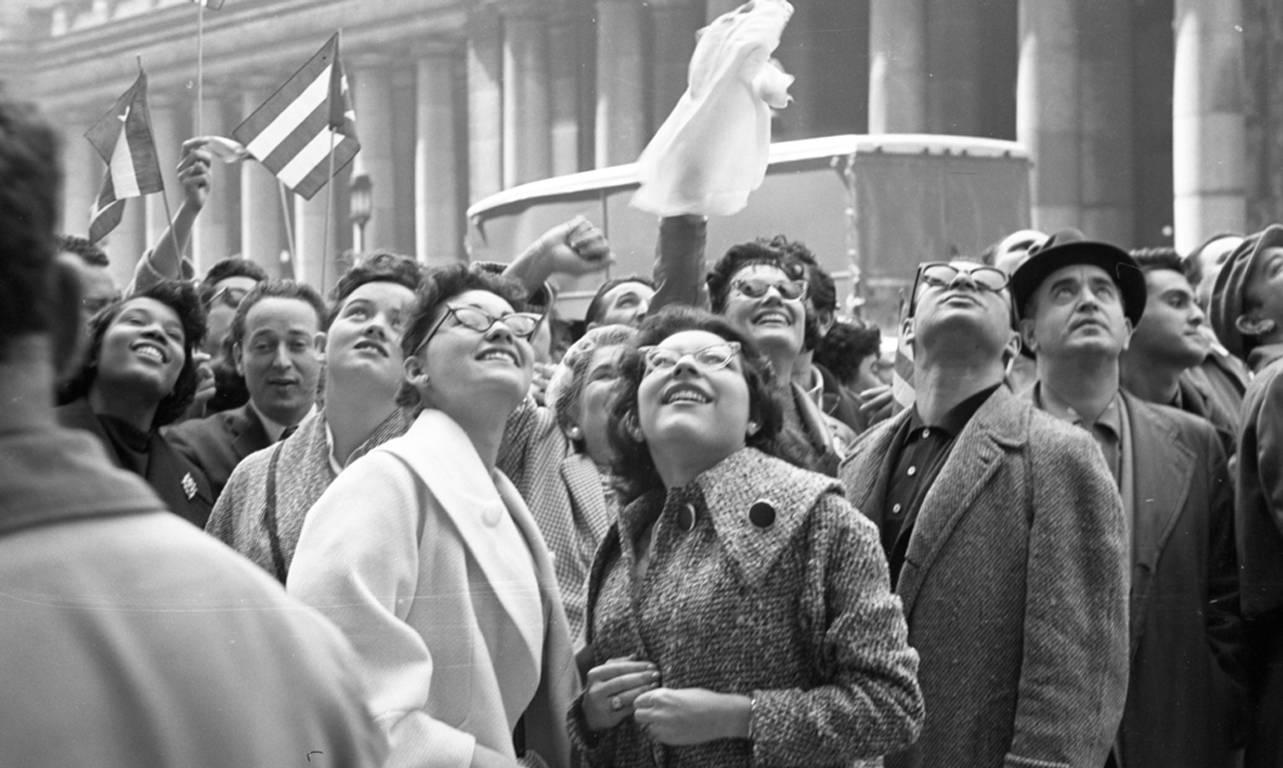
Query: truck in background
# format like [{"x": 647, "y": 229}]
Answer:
[{"x": 871, "y": 207}]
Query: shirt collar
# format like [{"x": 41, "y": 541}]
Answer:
[
  {"x": 275, "y": 428},
  {"x": 1111, "y": 418},
  {"x": 957, "y": 416}
]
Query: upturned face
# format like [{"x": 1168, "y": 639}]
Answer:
[
  {"x": 962, "y": 303},
  {"x": 626, "y": 304},
  {"x": 693, "y": 399},
  {"x": 1264, "y": 291},
  {"x": 1078, "y": 310},
  {"x": 756, "y": 306},
  {"x": 595, "y": 401},
  {"x": 363, "y": 344},
  {"x": 143, "y": 348},
  {"x": 1171, "y": 329}
]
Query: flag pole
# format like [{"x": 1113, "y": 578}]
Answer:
[
  {"x": 289, "y": 231},
  {"x": 164, "y": 195},
  {"x": 200, "y": 64},
  {"x": 329, "y": 207}
]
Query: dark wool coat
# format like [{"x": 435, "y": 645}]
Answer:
[
  {"x": 797, "y": 612},
  {"x": 1258, "y": 515},
  {"x": 1185, "y": 698},
  {"x": 217, "y": 443},
  {"x": 1015, "y": 589}
]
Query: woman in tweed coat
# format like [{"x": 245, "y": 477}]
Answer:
[{"x": 739, "y": 612}]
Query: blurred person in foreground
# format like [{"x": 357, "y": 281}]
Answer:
[
  {"x": 1078, "y": 302},
  {"x": 712, "y": 514},
  {"x": 148, "y": 644},
  {"x": 425, "y": 557},
  {"x": 1004, "y": 533},
  {"x": 1247, "y": 312}
]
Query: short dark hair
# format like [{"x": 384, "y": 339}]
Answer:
[
  {"x": 178, "y": 296},
  {"x": 845, "y": 346},
  {"x": 229, "y": 268},
  {"x": 376, "y": 267},
  {"x": 29, "y": 205},
  {"x": 1163, "y": 257},
  {"x": 633, "y": 467},
  {"x": 595, "y": 308},
  {"x": 277, "y": 289},
  {"x": 439, "y": 285},
  {"x": 746, "y": 255},
  {"x": 89, "y": 252},
  {"x": 821, "y": 289},
  {"x": 575, "y": 364}
]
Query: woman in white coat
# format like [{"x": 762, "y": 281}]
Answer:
[{"x": 425, "y": 556}]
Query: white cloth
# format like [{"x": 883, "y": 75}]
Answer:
[{"x": 712, "y": 150}]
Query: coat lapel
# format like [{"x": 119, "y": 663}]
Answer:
[
  {"x": 975, "y": 458},
  {"x": 247, "y": 431},
  {"x": 1162, "y": 467},
  {"x": 866, "y": 470},
  {"x": 440, "y": 453},
  {"x": 587, "y": 500}
]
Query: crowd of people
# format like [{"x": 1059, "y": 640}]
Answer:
[{"x": 416, "y": 523}]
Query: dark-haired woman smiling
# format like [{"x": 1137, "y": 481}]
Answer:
[
  {"x": 740, "y": 612},
  {"x": 426, "y": 558},
  {"x": 138, "y": 376}
]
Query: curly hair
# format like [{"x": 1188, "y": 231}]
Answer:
[
  {"x": 567, "y": 385},
  {"x": 88, "y": 252},
  {"x": 766, "y": 252},
  {"x": 1165, "y": 257},
  {"x": 439, "y": 286},
  {"x": 376, "y": 267},
  {"x": 633, "y": 467},
  {"x": 179, "y": 296},
  {"x": 31, "y": 167},
  {"x": 845, "y": 346}
]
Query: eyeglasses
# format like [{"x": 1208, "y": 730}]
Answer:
[
  {"x": 756, "y": 287},
  {"x": 229, "y": 295},
  {"x": 714, "y": 357},
  {"x": 522, "y": 324},
  {"x": 941, "y": 274}
]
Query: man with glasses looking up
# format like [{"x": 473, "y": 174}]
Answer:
[{"x": 1003, "y": 530}]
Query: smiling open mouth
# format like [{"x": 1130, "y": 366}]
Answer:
[
  {"x": 685, "y": 394},
  {"x": 150, "y": 352},
  {"x": 499, "y": 354}
]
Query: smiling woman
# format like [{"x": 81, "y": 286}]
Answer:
[
  {"x": 443, "y": 582},
  {"x": 720, "y": 535},
  {"x": 139, "y": 375}
]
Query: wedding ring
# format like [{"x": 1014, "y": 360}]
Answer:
[{"x": 616, "y": 703}]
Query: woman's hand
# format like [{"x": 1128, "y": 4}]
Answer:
[
  {"x": 683, "y": 716},
  {"x": 612, "y": 688}
]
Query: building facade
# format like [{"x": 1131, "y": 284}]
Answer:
[{"x": 1149, "y": 121}]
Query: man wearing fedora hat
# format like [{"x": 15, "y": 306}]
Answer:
[
  {"x": 1078, "y": 302},
  {"x": 1004, "y": 536},
  {"x": 1246, "y": 309}
]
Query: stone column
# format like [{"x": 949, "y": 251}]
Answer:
[
  {"x": 262, "y": 218},
  {"x": 485, "y": 104},
  {"x": 1105, "y": 122},
  {"x": 82, "y": 175},
  {"x": 436, "y": 215},
  {"x": 404, "y": 114},
  {"x": 310, "y": 242},
  {"x": 953, "y": 57},
  {"x": 217, "y": 231},
  {"x": 371, "y": 81},
  {"x": 674, "y": 23},
  {"x": 621, "y": 129},
  {"x": 1208, "y": 141},
  {"x": 566, "y": 115},
  {"x": 1047, "y": 109},
  {"x": 526, "y": 126},
  {"x": 897, "y": 66},
  {"x": 167, "y": 131}
]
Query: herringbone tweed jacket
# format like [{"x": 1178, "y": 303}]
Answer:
[
  {"x": 262, "y": 522},
  {"x": 794, "y": 607},
  {"x": 1015, "y": 585}
]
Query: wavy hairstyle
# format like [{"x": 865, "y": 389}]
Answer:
[
  {"x": 633, "y": 467},
  {"x": 439, "y": 285},
  {"x": 566, "y": 388},
  {"x": 184, "y": 299}
]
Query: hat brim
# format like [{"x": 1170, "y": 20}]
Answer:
[{"x": 1112, "y": 259}]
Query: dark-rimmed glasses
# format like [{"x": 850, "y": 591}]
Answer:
[
  {"x": 522, "y": 324},
  {"x": 941, "y": 274},
  {"x": 711, "y": 358},
  {"x": 756, "y": 287}
]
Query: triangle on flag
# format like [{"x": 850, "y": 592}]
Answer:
[
  {"x": 123, "y": 139},
  {"x": 293, "y": 131}
]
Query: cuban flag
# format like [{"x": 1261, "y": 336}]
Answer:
[{"x": 123, "y": 139}]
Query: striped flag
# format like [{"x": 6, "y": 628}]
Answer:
[
  {"x": 123, "y": 140},
  {"x": 293, "y": 131}
]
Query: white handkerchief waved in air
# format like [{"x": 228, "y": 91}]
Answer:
[{"x": 712, "y": 150}]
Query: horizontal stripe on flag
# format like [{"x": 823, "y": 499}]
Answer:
[
  {"x": 298, "y": 139},
  {"x": 275, "y": 133},
  {"x": 280, "y": 101},
  {"x": 344, "y": 151},
  {"x": 105, "y": 220}
]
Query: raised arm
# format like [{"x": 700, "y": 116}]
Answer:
[
  {"x": 679, "y": 262},
  {"x": 161, "y": 261}
]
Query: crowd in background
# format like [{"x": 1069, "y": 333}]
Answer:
[{"x": 423, "y": 522}]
